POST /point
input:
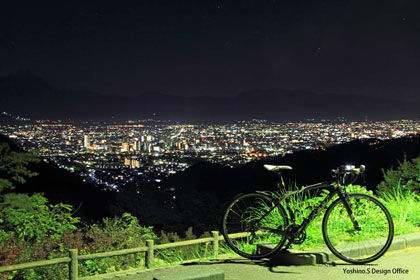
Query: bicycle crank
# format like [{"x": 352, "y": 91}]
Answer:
[{"x": 292, "y": 230}]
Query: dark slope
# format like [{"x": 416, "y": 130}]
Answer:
[{"x": 59, "y": 185}]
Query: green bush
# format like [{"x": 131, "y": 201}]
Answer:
[
  {"x": 22, "y": 240},
  {"x": 30, "y": 218},
  {"x": 30, "y": 230},
  {"x": 405, "y": 176},
  {"x": 400, "y": 192},
  {"x": 114, "y": 234}
]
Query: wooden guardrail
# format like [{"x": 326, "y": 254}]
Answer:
[{"x": 73, "y": 259}]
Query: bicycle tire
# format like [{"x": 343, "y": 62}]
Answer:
[
  {"x": 358, "y": 246},
  {"x": 243, "y": 217}
]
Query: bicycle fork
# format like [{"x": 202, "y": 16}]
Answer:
[{"x": 344, "y": 198}]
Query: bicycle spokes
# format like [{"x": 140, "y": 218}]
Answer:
[
  {"x": 250, "y": 222},
  {"x": 367, "y": 232}
]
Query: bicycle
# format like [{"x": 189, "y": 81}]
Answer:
[{"x": 256, "y": 225}]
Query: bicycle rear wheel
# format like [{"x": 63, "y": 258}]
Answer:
[
  {"x": 251, "y": 225},
  {"x": 358, "y": 246}
]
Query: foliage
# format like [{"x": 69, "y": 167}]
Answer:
[
  {"x": 406, "y": 176},
  {"x": 117, "y": 233},
  {"x": 109, "y": 235},
  {"x": 30, "y": 218},
  {"x": 31, "y": 230},
  {"x": 13, "y": 167},
  {"x": 167, "y": 237}
]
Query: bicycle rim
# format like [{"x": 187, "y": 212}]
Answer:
[
  {"x": 358, "y": 246},
  {"x": 248, "y": 225}
]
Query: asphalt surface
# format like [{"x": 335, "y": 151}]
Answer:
[{"x": 401, "y": 264}]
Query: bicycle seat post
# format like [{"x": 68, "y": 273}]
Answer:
[{"x": 280, "y": 182}]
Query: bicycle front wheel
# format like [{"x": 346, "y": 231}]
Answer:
[
  {"x": 253, "y": 225},
  {"x": 363, "y": 245}
]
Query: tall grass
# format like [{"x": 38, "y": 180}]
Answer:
[{"x": 404, "y": 206}]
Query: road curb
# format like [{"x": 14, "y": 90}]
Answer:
[
  {"x": 322, "y": 256},
  {"x": 210, "y": 273},
  {"x": 176, "y": 272}
]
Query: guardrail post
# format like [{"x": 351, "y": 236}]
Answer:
[
  {"x": 215, "y": 234},
  {"x": 73, "y": 266},
  {"x": 150, "y": 256}
]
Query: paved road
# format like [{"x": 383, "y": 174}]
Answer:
[{"x": 403, "y": 264}]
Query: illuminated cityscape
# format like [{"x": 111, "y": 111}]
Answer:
[{"x": 112, "y": 155}]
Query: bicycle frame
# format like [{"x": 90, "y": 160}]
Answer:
[
  {"x": 333, "y": 188},
  {"x": 255, "y": 218}
]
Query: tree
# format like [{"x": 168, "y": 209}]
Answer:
[{"x": 13, "y": 167}]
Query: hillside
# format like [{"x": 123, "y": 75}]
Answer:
[{"x": 60, "y": 185}]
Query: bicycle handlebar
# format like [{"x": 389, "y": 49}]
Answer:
[
  {"x": 349, "y": 169},
  {"x": 347, "y": 174},
  {"x": 359, "y": 170}
]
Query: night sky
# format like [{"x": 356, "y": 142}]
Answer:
[{"x": 216, "y": 48}]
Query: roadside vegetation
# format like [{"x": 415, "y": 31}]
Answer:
[{"x": 32, "y": 229}]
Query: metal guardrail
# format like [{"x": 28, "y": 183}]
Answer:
[{"x": 73, "y": 260}]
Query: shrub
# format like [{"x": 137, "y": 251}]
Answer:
[
  {"x": 115, "y": 234},
  {"x": 112, "y": 234},
  {"x": 30, "y": 218},
  {"x": 406, "y": 176}
]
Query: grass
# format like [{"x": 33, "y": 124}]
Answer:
[{"x": 405, "y": 209}]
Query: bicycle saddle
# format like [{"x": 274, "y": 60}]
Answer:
[{"x": 277, "y": 168}]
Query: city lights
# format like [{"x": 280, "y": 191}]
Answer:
[{"x": 112, "y": 155}]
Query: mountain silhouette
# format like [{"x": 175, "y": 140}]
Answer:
[{"x": 28, "y": 95}]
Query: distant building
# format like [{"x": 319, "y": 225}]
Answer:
[
  {"x": 86, "y": 143},
  {"x": 125, "y": 147},
  {"x": 133, "y": 163},
  {"x": 136, "y": 145}
]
